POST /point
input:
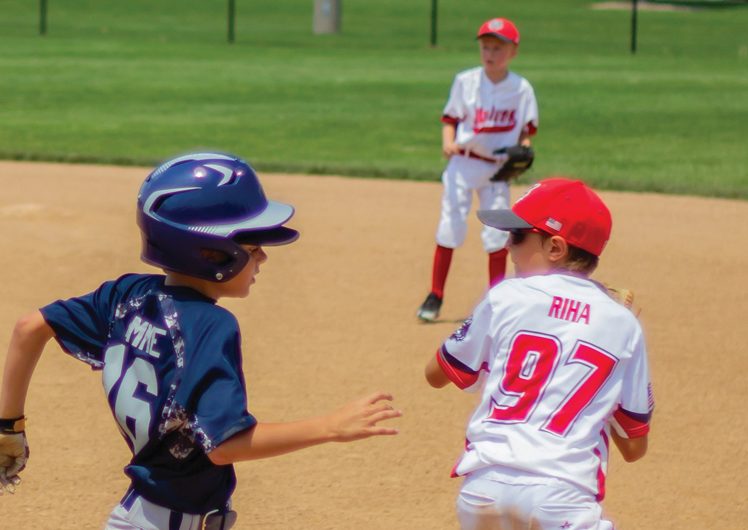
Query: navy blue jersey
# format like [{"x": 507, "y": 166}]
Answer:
[{"x": 172, "y": 372}]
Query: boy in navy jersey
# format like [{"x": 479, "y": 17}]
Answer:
[{"x": 171, "y": 358}]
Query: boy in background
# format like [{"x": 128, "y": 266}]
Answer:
[{"x": 489, "y": 109}]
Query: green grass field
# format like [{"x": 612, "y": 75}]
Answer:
[{"x": 134, "y": 82}]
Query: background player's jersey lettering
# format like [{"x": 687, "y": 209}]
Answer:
[{"x": 494, "y": 120}]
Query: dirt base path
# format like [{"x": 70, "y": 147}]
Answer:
[{"x": 332, "y": 317}]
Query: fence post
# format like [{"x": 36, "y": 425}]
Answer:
[
  {"x": 326, "y": 16},
  {"x": 42, "y": 17},
  {"x": 232, "y": 12},
  {"x": 634, "y": 29},
  {"x": 434, "y": 9}
]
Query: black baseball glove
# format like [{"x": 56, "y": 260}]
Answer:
[{"x": 519, "y": 160}]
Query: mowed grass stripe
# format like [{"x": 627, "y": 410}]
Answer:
[{"x": 138, "y": 81}]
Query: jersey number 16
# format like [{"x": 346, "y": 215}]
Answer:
[{"x": 130, "y": 392}]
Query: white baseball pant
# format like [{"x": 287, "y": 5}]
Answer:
[
  {"x": 137, "y": 513},
  {"x": 460, "y": 178},
  {"x": 511, "y": 501}
]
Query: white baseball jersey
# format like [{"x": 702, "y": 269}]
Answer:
[
  {"x": 490, "y": 115},
  {"x": 558, "y": 363}
]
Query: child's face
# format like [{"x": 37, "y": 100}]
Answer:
[
  {"x": 238, "y": 286},
  {"x": 528, "y": 251},
  {"x": 496, "y": 54}
]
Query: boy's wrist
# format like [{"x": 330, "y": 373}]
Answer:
[{"x": 13, "y": 425}]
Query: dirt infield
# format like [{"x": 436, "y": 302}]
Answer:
[{"x": 332, "y": 317}]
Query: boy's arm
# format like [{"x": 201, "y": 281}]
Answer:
[
  {"x": 524, "y": 138},
  {"x": 435, "y": 375},
  {"x": 30, "y": 335},
  {"x": 632, "y": 449},
  {"x": 449, "y": 133},
  {"x": 354, "y": 421}
]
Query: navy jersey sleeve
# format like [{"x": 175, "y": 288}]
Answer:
[
  {"x": 81, "y": 324},
  {"x": 214, "y": 387}
]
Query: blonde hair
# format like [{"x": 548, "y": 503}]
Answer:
[
  {"x": 577, "y": 260},
  {"x": 580, "y": 261}
]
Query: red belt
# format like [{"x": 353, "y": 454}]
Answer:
[{"x": 470, "y": 154}]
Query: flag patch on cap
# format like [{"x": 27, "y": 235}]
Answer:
[{"x": 552, "y": 223}]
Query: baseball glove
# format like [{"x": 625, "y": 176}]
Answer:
[
  {"x": 519, "y": 159},
  {"x": 623, "y": 296},
  {"x": 14, "y": 452}
]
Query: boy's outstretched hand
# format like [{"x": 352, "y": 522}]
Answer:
[{"x": 359, "y": 419}]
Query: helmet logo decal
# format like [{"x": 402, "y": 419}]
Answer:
[
  {"x": 154, "y": 197},
  {"x": 227, "y": 173}
]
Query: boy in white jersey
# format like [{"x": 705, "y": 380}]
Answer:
[
  {"x": 489, "y": 108},
  {"x": 562, "y": 368}
]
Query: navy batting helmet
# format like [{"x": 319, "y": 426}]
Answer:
[{"x": 207, "y": 201}]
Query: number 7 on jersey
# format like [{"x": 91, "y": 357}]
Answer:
[{"x": 529, "y": 367}]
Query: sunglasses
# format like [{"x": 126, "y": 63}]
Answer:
[{"x": 518, "y": 235}]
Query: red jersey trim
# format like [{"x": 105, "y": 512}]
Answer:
[
  {"x": 500, "y": 128},
  {"x": 600, "y": 473},
  {"x": 470, "y": 154},
  {"x": 634, "y": 427},
  {"x": 462, "y": 376},
  {"x": 454, "y": 473},
  {"x": 450, "y": 120},
  {"x": 531, "y": 129}
]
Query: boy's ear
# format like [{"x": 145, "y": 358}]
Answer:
[{"x": 557, "y": 249}]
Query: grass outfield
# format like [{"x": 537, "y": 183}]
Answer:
[{"x": 134, "y": 82}]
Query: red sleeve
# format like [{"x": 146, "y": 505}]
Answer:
[
  {"x": 462, "y": 376},
  {"x": 531, "y": 129},
  {"x": 450, "y": 120},
  {"x": 630, "y": 424}
]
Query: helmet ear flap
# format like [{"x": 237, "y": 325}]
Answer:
[
  {"x": 230, "y": 265},
  {"x": 210, "y": 258}
]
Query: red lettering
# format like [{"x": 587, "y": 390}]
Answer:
[
  {"x": 585, "y": 315},
  {"x": 568, "y": 309},
  {"x": 480, "y": 117},
  {"x": 555, "y": 307},
  {"x": 571, "y": 315}
]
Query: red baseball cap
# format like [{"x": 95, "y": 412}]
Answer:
[
  {"x": 502, "y": 28},
  {"x": 558, "y": 206}
]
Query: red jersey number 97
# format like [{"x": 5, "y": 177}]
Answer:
[{"x": 528, "y": 370}]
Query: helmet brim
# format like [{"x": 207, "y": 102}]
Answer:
[
  {"x": 274, "y": 237},
  {"x": 266, "y": 228},
  {"x": 273, "y": 216}
]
